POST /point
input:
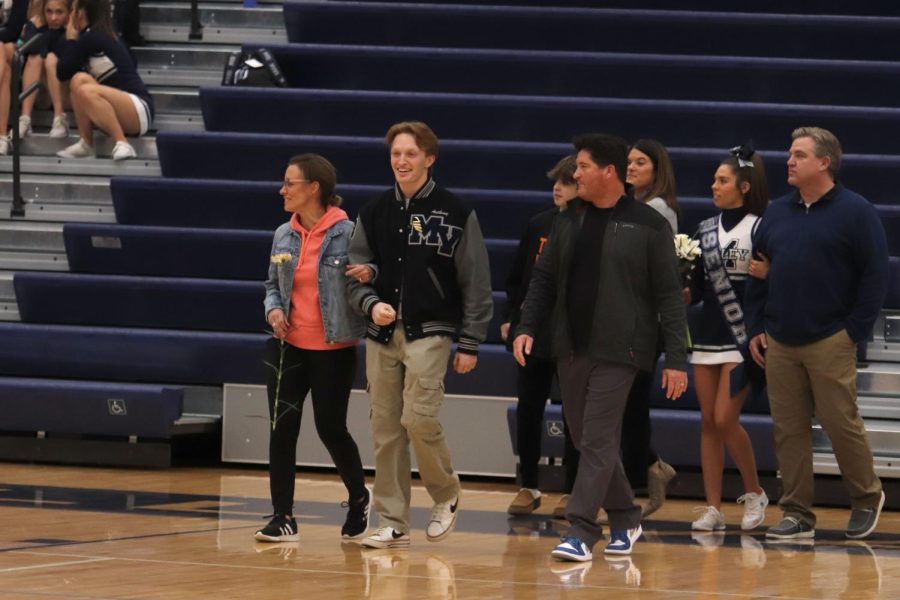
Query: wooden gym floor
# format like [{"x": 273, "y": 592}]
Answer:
[{"x": 90, "y": 533}]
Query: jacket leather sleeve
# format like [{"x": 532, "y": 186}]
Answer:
[{"x": 473, "y": 275}]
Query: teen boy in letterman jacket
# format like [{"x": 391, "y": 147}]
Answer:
[{"x": 422, "y": 257}]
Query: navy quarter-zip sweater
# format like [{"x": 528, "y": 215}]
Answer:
[{"x": 829, "y": 269}]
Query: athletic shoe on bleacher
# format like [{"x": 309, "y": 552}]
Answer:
[
  {"x": 24, "y": 126},
  {"x": 4, "y": 146},
  {"x": 60, "y": 128},
  {"x": 282, "y": 528},
  {"x": 79, "y": 149},
  {"x": 357, "y": 521},
  {"x": 123, "y": 150}
]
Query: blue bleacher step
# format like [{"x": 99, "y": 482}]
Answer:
[
  {"x": 174, "y": 65},
  {"x": 89, "y": 407},
  {"x": 606, "y": 29},
  {"x": 567, "y": 73}
]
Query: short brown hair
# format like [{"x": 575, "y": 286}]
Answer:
[
  {"x": 825, "y": 143},
  {"x": 424, "y": 136},
  {"x": 319, "y": 169},
  {"x": 564, "y": 170}
]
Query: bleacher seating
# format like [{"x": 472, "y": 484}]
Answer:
[
  {"x": 538, "y": 118},
  {"x": 472, "y": 163},
  {"x": 636, "y": 73},
  {"x": 552, "y": 28},
  {"x": 88, "y": 407}
]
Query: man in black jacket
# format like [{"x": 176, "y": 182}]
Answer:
[
  {"x": 433, "y": 284},
  {"x": 610, "y": 275}
]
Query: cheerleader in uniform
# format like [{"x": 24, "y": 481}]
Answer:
[{"x": 739, "y": 189}]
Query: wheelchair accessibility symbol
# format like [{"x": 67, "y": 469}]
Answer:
[
  {"x": 117, "y": 407},
  {"x": 556, "y": 429}
]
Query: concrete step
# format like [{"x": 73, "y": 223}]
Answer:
[
  {"x": 23, "y": 260},
  {"x": 40, "y": 144},
  {"x": 188, "y": 66},
  {"x": 31, "y": 237},
  {"x": 60, "y": 199},
  {"x": 9, "y": 310},
  {"x": 49, "y": 164},
  {"x": 222, "y": 23}
]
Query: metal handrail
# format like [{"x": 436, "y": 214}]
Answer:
[{"x": 18, "y": 95}]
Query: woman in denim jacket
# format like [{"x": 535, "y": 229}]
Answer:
[{"x": 314, "y": 344}]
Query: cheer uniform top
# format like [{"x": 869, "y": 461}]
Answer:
[{"x": 711, "y": 341}]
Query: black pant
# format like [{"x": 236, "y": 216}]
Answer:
[
  {"x": 329, "y": 375},
  {"x": 533, "y": 384},
  {"x": 637, "y": 454}
]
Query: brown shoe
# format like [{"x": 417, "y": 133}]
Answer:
[
  {"x": 659, "y": 475},
  {"x": 524, "y": 503},
  {"x": 560, "y": 511}
]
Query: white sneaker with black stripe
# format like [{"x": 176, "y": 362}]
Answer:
[
  {"x": 387, "y": 537},
  {"x": 282, "y": 528},
  {"x": 443, "y": 520}
]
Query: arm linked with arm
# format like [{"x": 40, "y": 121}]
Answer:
[{"x": 362, "y": 296}]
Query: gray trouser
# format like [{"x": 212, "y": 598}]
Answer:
[{"x": 594, "y": 394}]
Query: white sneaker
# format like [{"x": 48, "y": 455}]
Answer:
[
  {"x": 443, "y": 520},
  {"x": 123, "y": 150},
  {"x": 5, "y": 146},
  {"x": 387, "y": 537},
  {"x": 79, "y": 149},
  {"x": 24, "y": 126},
  {"x": 710, "y": 520},
  {"x": 60, "y": 128},
  {"x": 754, "y": 509}
]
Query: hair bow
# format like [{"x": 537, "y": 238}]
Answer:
[{"x": 744, "y": 154}]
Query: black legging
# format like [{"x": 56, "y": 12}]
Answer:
[
  {"x": 533, "y": 385},
  {"x": 329, "y": 375},
  {"x": 637, "y": 454}
]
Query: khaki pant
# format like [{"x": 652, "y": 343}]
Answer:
[
  {"x": 818, "y": 380},
  {"x": 406, "y": 390}
]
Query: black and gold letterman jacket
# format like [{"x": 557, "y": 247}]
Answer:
[{"x": 432, "y": 266}]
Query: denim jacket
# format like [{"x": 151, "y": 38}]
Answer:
[{"x": 341, "y": 322}]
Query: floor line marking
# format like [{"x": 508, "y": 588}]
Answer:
[{"x": 57, "y": 564}]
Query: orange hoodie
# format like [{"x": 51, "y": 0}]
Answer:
[{"x": 306, "y": 329}]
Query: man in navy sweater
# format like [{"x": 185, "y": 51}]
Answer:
[{"x": 826, "y": 284}]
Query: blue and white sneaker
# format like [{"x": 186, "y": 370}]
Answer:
[
  {"x": 572, "y": 549},
  {"x": 621, "y": 541}
]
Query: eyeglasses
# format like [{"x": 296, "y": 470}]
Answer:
[{"x": 290, "y": 182}]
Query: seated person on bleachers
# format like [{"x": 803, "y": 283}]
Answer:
[
  {"x": 14, "y": 19},
  {"x": 41, "y": 62},
  {"x": 534, "y": 380},
  {"x": 121, "y": 104}
]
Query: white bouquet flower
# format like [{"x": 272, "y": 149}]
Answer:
[{"x": 687, "y": 250}]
